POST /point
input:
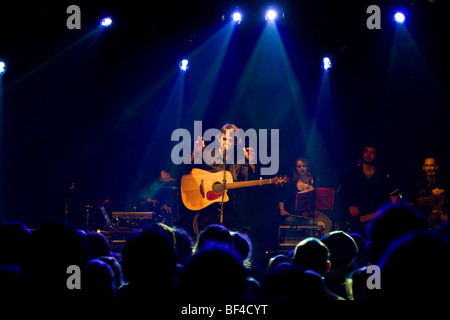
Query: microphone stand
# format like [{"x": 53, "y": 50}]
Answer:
[{"x": 224, "y": 182}]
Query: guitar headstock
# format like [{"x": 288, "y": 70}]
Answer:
[{"x": 281, "y": 181}]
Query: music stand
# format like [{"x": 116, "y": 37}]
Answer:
[{"x": 316, "y": 199}]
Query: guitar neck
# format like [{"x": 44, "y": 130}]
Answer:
[{"x": 251, "y": 183}]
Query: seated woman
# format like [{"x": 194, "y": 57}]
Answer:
[{"x": 302, "y": 181}]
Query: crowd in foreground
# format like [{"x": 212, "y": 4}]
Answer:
[{"x": 162, "y": 263}]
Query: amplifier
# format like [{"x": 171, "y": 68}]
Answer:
[{"x": 132, "y": 215}]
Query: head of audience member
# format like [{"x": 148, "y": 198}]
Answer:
[
  {"x": 391, "y": 222},
  {"x": 183, "y": 244},
  {"x": 99, "y": 280},
  {"x": 241, "y": 244},
  {"x": 275, "y": 261},
  {"x": 312, "y": 254},
  {"x": 412, "y": 267},
  {"x": 97, "y": 245},
  {"x": 362, "y": 257},
  {"x": 293, "y": 282},
  {"x": 116, "y": 267},
  {"x": 163, "y": 229},
  {"x": 149, "y": 263},
  {"x": 342, "y": 248},
  {"x": 53, "y": 249},
  {"x": 213, "y": 232},
  {"x": 214, "y": 272}
]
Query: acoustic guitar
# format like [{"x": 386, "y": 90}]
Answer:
[
  {"x": 438, "y": 213},
  {"x": 201, "y": 188}
]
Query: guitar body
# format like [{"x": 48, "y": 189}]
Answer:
[
  {"x": 201, "y": 188},
  {"x": 438, "y": 214}
]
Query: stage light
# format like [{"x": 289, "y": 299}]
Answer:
[
  {"x": 326, "y": 64},
  {"x": 2, "y": 67},
  {"x": 271, "y": 14},
  {"x": 236, "y": 17},
  {"x": 184, "y": 65},
  {"x": 399, "y": 17},
  {"x": 106, "y": 22}
]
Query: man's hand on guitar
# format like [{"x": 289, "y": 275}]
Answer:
[
  {"x": 354, "y": 211},
  {"x": 437, "y": 192},
  {"x": 284, "y": 213}
]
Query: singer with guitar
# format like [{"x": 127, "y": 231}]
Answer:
[
  {"x": 430, "y": 194},
  {"x": 232, "y": 210}
]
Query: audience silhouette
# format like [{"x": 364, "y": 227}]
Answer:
[
  {"x": 292, "y": 282},
  {"x": 149, "y": 264},
  {"x": 213, "y": 273},
  {"x": 411, "y": 268},
  {"x": 162, "y": 263},
  {"x": 392, "y": 222},
  {"x": 343, "y": 251},
  {"x": 53, "y": 248}
]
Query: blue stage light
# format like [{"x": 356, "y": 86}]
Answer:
[
  {"x": 106, "y": 22},
  {"x": 2, "y": 67},
  {"x": 236, "y": 17},
  {"x": 326, "y": 64},
  {"x": 399, "y": 17},
  {"x": 271, "y": 14},
  {"x": 184, "y": 65}
]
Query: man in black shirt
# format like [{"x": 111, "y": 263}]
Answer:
[{"x": 363, "y": 190}]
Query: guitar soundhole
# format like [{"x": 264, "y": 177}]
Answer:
[
  {"x": 216, "y": 192},
  {"x": 217, "y": 187}
]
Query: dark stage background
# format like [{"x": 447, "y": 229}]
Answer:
[{"x": 97, "y": 107}]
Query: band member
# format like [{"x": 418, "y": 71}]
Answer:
[
  {"x": 302, "y": 180},
  {"x": 430, "y": 193},
  {"x": 161, "y": 197},
  {"x": 240, "y": 172},
  {"x": 234, "y": 211},
  {"x": 363, "y": 190}
]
